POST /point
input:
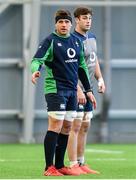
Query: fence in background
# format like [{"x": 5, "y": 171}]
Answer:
[{"x": 23, "y": 116}]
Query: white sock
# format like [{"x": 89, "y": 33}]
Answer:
[
  {"x": 72, "y": 163},
  {"x": 81, "y": 160}
]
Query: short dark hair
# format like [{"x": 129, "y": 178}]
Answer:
[
  {"x": 63, "y": 14},
  {"x": 82, "y": 11}
]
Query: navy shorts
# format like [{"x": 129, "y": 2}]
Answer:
[
  {"x": 62, "y": 101},
  {"x": 85, "y": 108}
]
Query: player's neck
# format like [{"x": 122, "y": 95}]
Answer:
[
  {"x": 62, "y": 35},
  {"x": 79, "y": 30}
]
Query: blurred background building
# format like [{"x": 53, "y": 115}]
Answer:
[{"x": 23, "y": 24}]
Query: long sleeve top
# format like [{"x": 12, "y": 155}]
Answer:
[{"x": 64, "y": 61}]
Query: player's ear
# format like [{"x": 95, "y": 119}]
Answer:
[
  {"x": 56, "y": 26},
  {"x": 76, "y": 20}
]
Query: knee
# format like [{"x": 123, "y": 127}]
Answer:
[
  {"x": 86, "y": 122},
  {"x": 55, "y": 121},
  {"x": 85, "y": 127},
  {"x": 76, "y": 126},
  {"x": 56, "y": 127},
  {"x": 66, "y": 128},
  {"x": 76, "y": 129}
]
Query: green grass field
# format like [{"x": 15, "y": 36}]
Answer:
[{"x": 21, "y": 161}]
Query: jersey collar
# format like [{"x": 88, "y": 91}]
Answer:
[{"x": 60, "y": 35}]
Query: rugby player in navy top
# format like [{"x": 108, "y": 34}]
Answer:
[
  {"x": 81, "y": 124},
  {"x": 63, "y": 57}
]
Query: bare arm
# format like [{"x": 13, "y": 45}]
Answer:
[
  {"x": 80, "y": 96},
  {"x": 99, "y": 78}
]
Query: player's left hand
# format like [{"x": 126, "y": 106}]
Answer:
[
  {"x": 81, "y": 99},
  {"x": 34, "y": 77},
  {"x": 92, "y": 99},
  {"x": 101, "y": 85}
]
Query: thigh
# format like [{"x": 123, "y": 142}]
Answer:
[
  {"x": 72, "y": 101},
  {"x": 54, "y": 124},
  {"x": 88, "y": 112},
  {"x": 55, "y": 102},
  {"x": 84, "y": 112},
  {"x": 71, "y": 106},
  {"x": 56, "y": 106},
  {"x": 88, "y": 106}
]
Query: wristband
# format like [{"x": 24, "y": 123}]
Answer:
[
  {"x": 100, "y": 81},
  {"x": 89, "y": 90}
]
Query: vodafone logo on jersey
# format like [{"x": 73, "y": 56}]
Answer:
[
  {"x": 92, "y": 57},
  {"x": 71, "y": 53}
]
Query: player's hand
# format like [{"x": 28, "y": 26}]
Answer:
[
  {"x": 101, "y": 85},
  {"x": 92, "y": 99},
  {"x": 81, "y": 99},
  {"x": 35, "y": 75}
]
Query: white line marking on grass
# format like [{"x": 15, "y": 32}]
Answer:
[
  {"x": 104, "y": 151},
  {"x": 20, "y": 160},
  {"x": 34, "y": 160},
  {"x": 110, "y": 159}
]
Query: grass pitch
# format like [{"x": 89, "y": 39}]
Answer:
[{"x": 21, "y": 161}]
